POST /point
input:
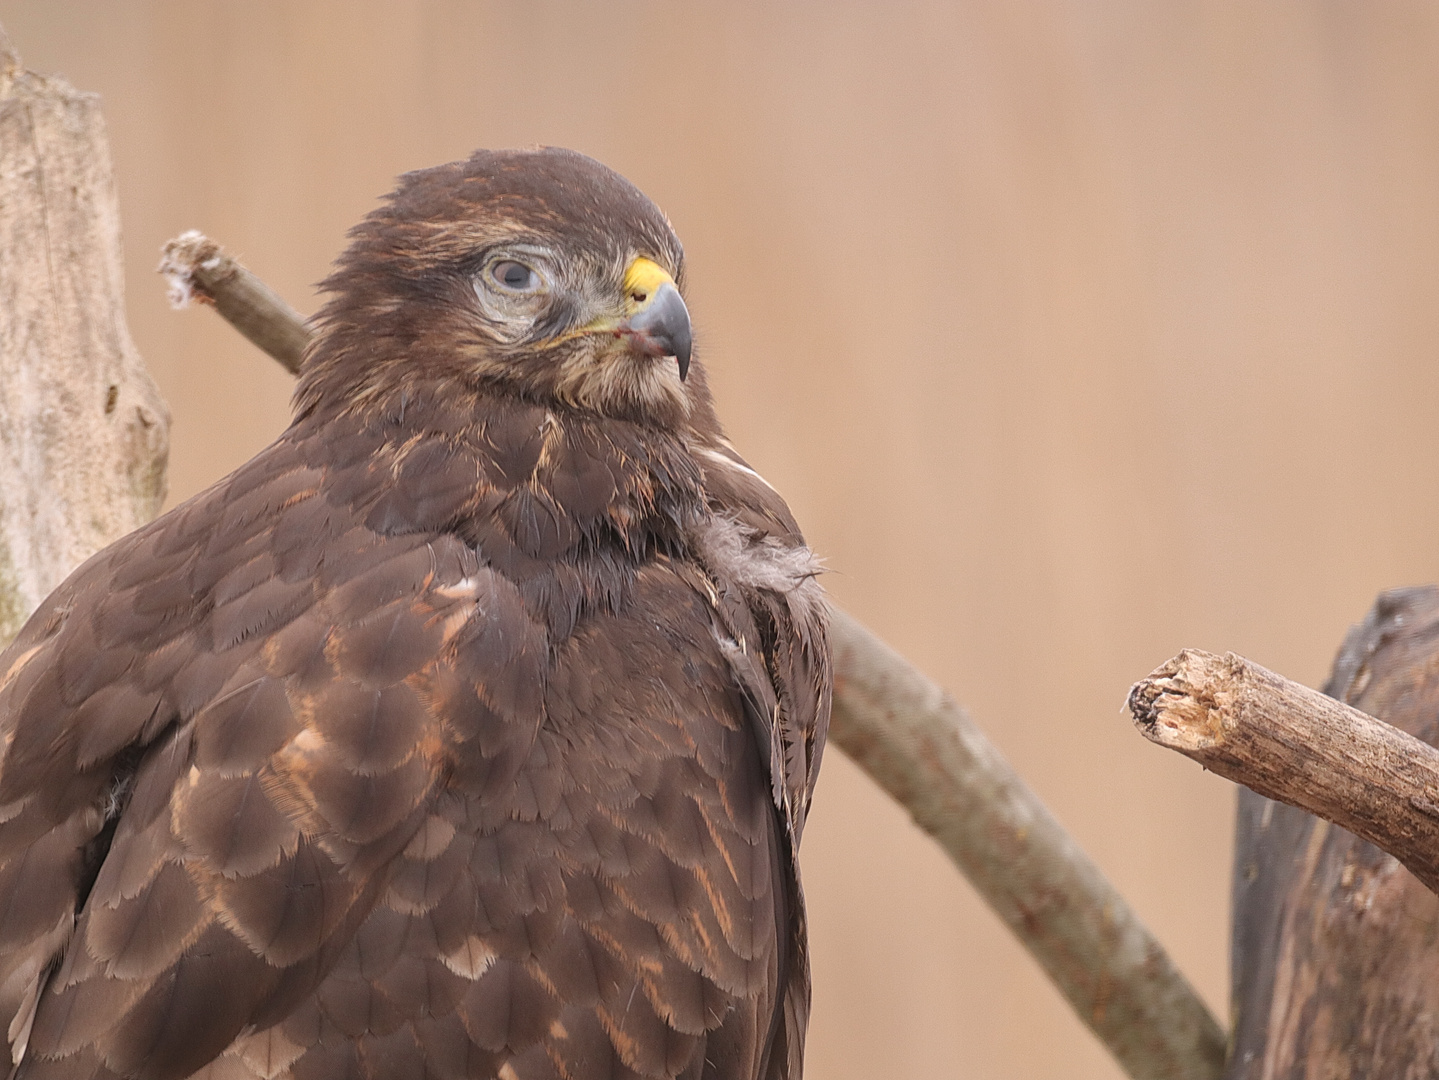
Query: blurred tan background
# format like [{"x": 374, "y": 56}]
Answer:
[{"x": 1075, "y": 333}]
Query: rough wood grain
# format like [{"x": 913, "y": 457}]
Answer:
[
  {"x": 1335, "y": 946},
  {"x": 922, "y": 748},
  {"x": 1290, "y": 743},
  {"x": 83, "y": 430}
]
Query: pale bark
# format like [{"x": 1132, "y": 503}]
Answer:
[
  {"x": 912, "y": 738},
  {"x": 84, "y": 432}
]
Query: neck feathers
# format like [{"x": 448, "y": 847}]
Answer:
[{"x": 566, "y": 505}]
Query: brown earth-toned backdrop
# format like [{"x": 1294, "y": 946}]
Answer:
[{"x": 1074, "y": 332}]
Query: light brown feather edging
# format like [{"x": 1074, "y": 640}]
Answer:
[{"x": 922, "y": 748}]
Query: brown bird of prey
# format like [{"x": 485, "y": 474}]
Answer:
[{"x": 468, "y": 730}]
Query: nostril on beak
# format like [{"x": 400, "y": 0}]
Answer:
[{"x": 664, "y": 326}]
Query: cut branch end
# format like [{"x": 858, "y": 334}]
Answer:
[
  {"x": 1183, "y": 704},
  {"x": 197, "y": 268},
  {"x": 1290, "y": 743}
]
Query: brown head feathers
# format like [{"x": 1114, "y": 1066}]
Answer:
[{"x": 414, "y": 299}]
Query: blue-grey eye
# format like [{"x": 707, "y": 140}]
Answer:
[{"x": 514, "y": 276}]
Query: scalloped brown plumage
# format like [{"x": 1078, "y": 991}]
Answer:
[{"x": 467, "y": 731}]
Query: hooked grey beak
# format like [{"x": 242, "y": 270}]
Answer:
[{"x": 662, "y": 328}]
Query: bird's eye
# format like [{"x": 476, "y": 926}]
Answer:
[{"x": 515, "y": 276}]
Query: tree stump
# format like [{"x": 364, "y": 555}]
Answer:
[
  {"x": 84, "y": 433},
  {"x": 1335, "y": 945}
]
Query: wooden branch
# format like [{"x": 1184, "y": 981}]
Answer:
[
  {"x": 1298, "y": 746},
  {"x": 197, "y": 268},
  {"x": 84, "y": 433},
  {"x": 912, "y": 738},
  {"x": 921, "y": 747}
]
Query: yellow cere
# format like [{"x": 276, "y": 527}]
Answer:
[{"x": 642, "y": 280}]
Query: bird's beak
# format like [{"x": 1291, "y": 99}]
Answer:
[{"x": 657, "y": 323}]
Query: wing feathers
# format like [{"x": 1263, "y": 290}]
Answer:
[
  {"x": 242, "y": 730},
  {"x": 399, "y": 811},
  {"x": 141, "y": 938},
  {"x": 231, "y": 825}
]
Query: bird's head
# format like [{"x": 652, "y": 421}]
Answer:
[{"x": 540, "y": 273}]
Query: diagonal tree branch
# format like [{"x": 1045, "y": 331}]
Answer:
[
  {"x": 921, "y": 747},
  {"x": 917, "y": 743}
]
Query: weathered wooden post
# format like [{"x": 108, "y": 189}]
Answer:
[{"x": 84, "y": 433}]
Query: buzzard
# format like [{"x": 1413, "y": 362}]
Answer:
[{"x": 466, "y": 731}]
